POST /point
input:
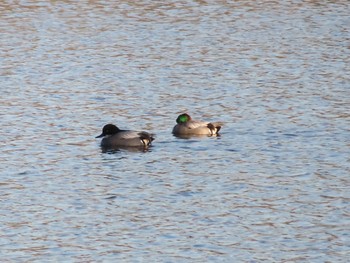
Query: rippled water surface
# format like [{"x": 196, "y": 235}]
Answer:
[{"x": 274, "y": 187}]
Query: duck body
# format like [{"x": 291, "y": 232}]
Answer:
[
  {"x": 114, "y": 137},
  {"x": 186, "y": 126}
]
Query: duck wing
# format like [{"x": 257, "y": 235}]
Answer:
[
  {"x": 142, "y": 135},
  {"x": 196, "y": 124},
  {"x": 127, "y": 135},
  {"x": 214, "y": 127}
]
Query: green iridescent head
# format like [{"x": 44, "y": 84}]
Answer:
[{"x": 183, "y": 118}]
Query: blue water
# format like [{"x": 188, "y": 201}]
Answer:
[{"x": 273, "y": 187}]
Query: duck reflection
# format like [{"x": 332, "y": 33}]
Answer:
[
  {"x": 194, "y": 136},
  {"x": 118, "y": 149}
]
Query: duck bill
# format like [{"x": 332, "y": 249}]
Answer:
[{"x": 100, "y": 136}]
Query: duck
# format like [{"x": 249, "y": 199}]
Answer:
[
  {"x": 115, "y": 137},
  {"x": 186, "y": 126}
]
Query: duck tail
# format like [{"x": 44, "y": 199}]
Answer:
[
  {"x": 214, "y": 127},
  {"x": 146, "y": 138}
]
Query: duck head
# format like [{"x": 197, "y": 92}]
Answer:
[
  {"x": 182, "y": 118},
  {"x": 108, "y": 129}
]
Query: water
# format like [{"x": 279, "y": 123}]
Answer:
[{"x": 273, "y": 187}]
